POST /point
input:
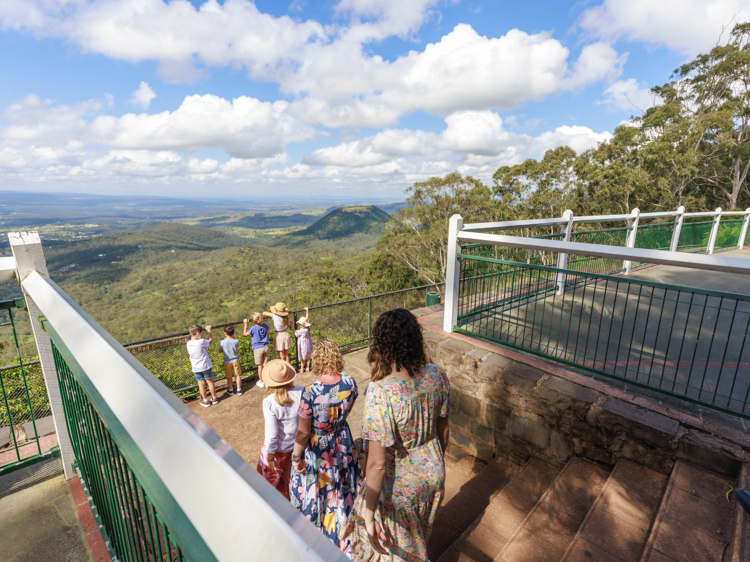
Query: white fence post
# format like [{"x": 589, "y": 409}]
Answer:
[
  {"x": 562, "y": 259},
  {"x": 27, "y": 251},
  {"x": 452, "y": 274},
  {"x": 633, "y": 224},
  {"x": 677, "y": 229},
  {"x": 743, "y": 231},
  {"x": 714, "y": 231}
]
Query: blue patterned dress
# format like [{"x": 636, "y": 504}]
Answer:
[{"x": 325, "y": 492}]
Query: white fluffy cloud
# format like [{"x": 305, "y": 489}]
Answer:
[
  {"x": 245, "y": 127},
  {"x": 687, "y": 26},
  {"x": 336, "y": 81},
  {"x": 628, "y": 95},
  {"x": 471, "y": 138},
  {"x": 143, "y": 95}
]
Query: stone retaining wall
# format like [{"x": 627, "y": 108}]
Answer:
[{"x": 502, "y": 405}]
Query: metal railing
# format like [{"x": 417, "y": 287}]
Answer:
[
  {"x": 23, "y": 402},
  {"x": 143, "y": 457},
  {"x": 348, "y": 322},
  {"x": 573, "y": 302}
]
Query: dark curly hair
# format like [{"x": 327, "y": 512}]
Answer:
[{"x": 397, "y": 340}]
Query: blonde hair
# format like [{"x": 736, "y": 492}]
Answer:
[
  {"x": 281, "y": 393},
  {"x": 380, "y": 370},
  {"x": 326, "y": 357},
  {"x": 257, "y": 317},
  {"x": 195, "y": 329}
]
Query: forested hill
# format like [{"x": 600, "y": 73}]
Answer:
[{"x": 346, "y": 221}]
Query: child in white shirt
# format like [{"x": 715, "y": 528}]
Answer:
[
  {"x": 281, "y": 413},
  {"x": 197, "y": 348}
]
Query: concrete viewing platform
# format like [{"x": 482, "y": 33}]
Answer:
[{"x": 44, "y": 518}]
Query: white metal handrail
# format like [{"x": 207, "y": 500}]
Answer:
[
  {"x": 478, "y": 233},
  {"x": 241, "y": 516},
  {"x": 661, "y": 257},
  {"x": 7, "y": 269}
]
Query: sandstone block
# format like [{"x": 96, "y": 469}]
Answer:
[
  {"x": 481, "y": 432},
  {"x": 510, "y": 449},
  {"x": 496, "y": 417},
  {"x": 711, "y": 452},
  {"x": 493, "y": 365},
  {"x": 458, "y": 420},
  {"x": 463, "y": 383},
  {"x": 570, "y": 390},
  {"x": 469, "y": 405},
  {"x": 452, "y": 351},
  {"x": 460, "y": 439},
  {"x": 532, "y": 430},
  {"x": 651, "y": 427},
  {"x": 561, "y": 446},
  {"x": 522, "y": 377}
]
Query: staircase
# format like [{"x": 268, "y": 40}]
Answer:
[{"x": 537, "y": 512}]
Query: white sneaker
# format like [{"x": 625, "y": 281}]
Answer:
[{"x": 260, "y": 384}]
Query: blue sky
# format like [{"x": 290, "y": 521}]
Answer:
[{"x": 315, "y": 97}]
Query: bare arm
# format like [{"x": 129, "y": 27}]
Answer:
[
  {"x": 374, "y": 482},
  {"x": 245, "y": 323},
  {"x": 307, "y": 313},
  {"x": 443, "y": 431},
  {"x": 210, "y": 336},
  {"x": 300, "y": 442}
]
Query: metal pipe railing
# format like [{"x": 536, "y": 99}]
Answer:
[
  {"x": 115, "y": 408},
  {"x": 476, "y": 233}
]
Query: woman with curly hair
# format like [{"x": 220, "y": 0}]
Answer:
[
  {"x": 406, "y": 425},
  {"x": 325, "y": 461}
]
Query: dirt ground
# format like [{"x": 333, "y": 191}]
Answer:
[{"x": 239, "y": 419}]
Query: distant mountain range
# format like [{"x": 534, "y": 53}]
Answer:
[{"x": 346, "y": 221}]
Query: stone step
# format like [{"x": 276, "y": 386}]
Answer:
[
  {"x": 470, "y": 486},
  {"x": 617, "y": 526},
  {"x": 695, "y": 521},
  {"x": 497, "y": 522},
  {"x": 554, "y": 521}
]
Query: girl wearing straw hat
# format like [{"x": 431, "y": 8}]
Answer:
[
  {"x": 281, "y": 341},
  {"x": 281, "y": 414}
]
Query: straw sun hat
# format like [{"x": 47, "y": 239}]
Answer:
[
  {"x": 303, "y": 322},
  {"x": 278, "y": 372},
  {"x": 280, "y": 309}
]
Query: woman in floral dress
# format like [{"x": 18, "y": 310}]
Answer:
[
  {"x": 406, "y": 424},
  {"x": 325, "y": 461}
]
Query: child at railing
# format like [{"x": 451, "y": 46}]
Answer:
[
  {"x": 232, "y": 368},
  {"x": 281, "y": 414},
  {"x": 304, "y": 342},
  {"x": 197, "y": 349},
  {"x": 259, "y": 333},
  {"x": 281, "y": 341}
]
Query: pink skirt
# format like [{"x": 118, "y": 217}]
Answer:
[
  {"x": 280, "y": 481},
  {"x": 282, "y": 341}
]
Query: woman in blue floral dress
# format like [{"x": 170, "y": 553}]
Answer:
[{"x": 326, "y": 466}]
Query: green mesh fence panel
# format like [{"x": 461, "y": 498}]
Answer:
[
  {"x": 728, "y": 235},
  {"x": 680, "y": 341},
  {"x": 694, "y": 236}
]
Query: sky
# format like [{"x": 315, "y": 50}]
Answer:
[{"x": 349, "y": 98}]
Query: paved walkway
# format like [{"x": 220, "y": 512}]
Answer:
[
  {"x": 239, "y": 419},
  {"x": 43, "y": 518}
]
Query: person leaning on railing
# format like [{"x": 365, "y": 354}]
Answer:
[{"x": 406, "y": 425}]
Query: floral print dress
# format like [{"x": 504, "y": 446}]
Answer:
[
  {"x": 402, "y": 416},
  {"x": 325, "y": 492}
]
